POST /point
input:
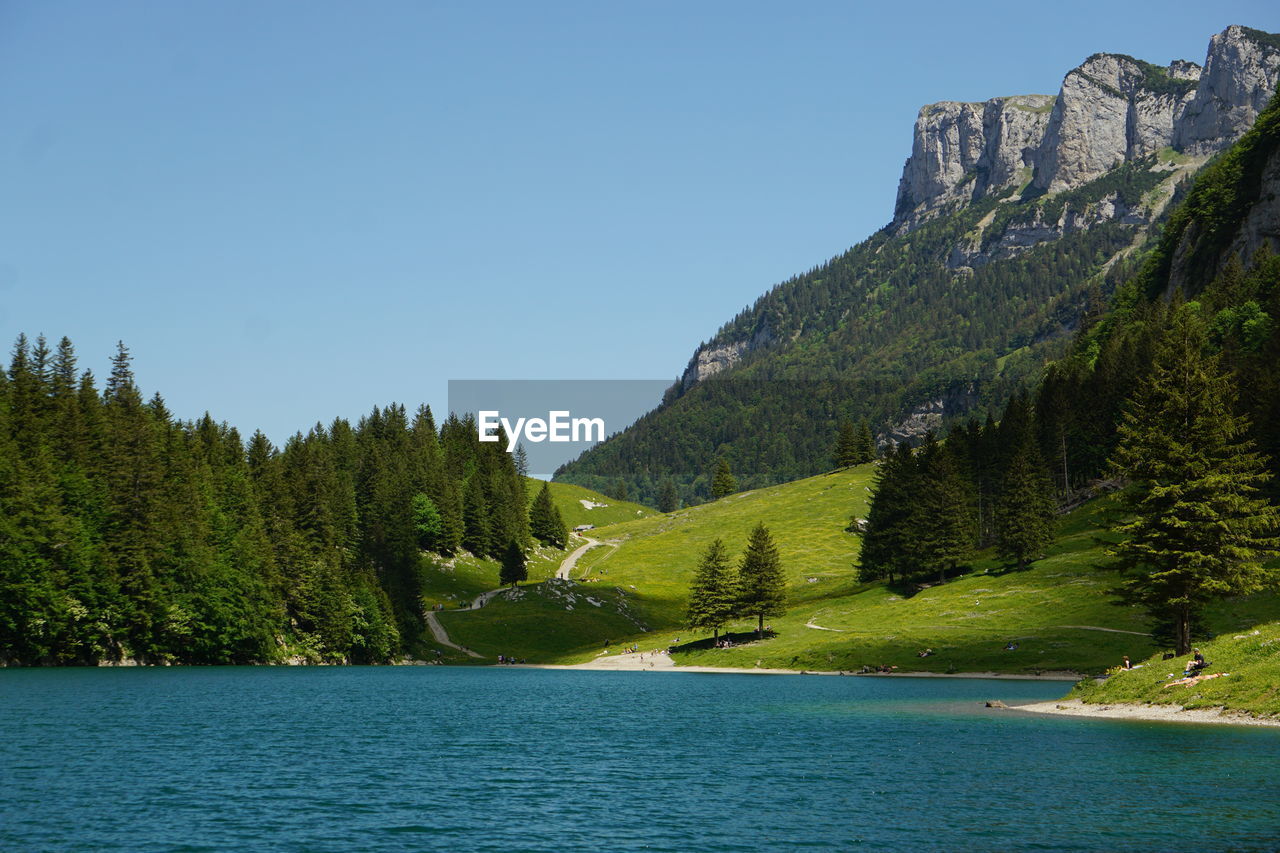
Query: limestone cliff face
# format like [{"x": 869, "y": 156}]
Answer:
[
  {"x": 1112, "y": 109},
  {"x": 963, "y": 152},
  {"x": 1239, "y": 79}
]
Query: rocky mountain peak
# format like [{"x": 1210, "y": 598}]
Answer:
[{"x": 1111, "y": 109}]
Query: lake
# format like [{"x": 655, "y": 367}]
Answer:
[{"x": 458, "y": 759}]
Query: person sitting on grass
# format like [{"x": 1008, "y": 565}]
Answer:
[{"x": 1196, "y": 663}]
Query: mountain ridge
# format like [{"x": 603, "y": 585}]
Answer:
[{"x": 996, "y": 251}]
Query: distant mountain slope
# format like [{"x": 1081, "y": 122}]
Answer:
[{"x": 1014, "y": 218}]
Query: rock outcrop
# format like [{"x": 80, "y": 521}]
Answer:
[
  {"x": 963, "y": 152},
  {"x": 1239, "y": 79},
  {"x": 712, "y": 359},
  {"x": 1112, "y": 109}
]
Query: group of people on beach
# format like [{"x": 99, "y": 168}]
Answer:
[{"x": 509, "y": 659}]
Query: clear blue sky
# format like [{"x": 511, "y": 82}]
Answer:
[{"x": 296, "y": 210}]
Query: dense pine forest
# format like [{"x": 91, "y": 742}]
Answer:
[
  {"x": 127, "y": 534},
  {"x": 1172, "y": 398}
]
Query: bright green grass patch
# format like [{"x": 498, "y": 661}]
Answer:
[
  {"x": 454, "y": 581},
  {"x": 657, "y": 555},
  {"x": 569, "y": 498},
  {"x": 556, "y": 621},
  {"x": 1250, "y": 658},
  {"x": 1063, "y": 613}
]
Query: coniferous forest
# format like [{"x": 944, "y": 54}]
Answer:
[{"x": 127, "y": 534}]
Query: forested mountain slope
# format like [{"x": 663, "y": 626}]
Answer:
[{"x": 1015, "y": 219}]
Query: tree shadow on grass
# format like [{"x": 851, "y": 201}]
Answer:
[{"x": 734, "y": 638}]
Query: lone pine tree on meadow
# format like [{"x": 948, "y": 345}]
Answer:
[
  {"x": 545, "y": 522},
  {"x": 1200, "y": 529},
  {"x": 723, "y": 483},
  {"x": 847, "y": 451},
  {"x": 712, "y": 593},
  {"x": 761, "y": 587}
]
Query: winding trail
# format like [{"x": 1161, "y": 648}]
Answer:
[
  {"x": 566, "y": 566},
  {"x": 442, "y": 636},
  {"x": 1108, "y": 630}
]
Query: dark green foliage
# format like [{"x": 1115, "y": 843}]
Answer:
[
  {"x": 125, "y": 533},
  {"x": 723, "y": 483},
  {"x": 1024, "y": 511},
  {"x": 514, "y": 568},
  {"x": 619, "y": 490},
  {"x": 545, "y": 522},
  {"x": 1200, "y": 528},
  {"x": 761, "y": 586},
  {"x": 865, "y": 443},
  {"x": 943, "y": 514},
  {"x": 668, "y": 500},
  {"x": 889, "y": 542},
  {"x": 712, "y": 593},
  {"x": 846, "y": 451}
]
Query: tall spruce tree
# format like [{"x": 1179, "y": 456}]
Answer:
[
  {"x": 514, "y": 567},
  {"x": 945, "y": 521},
  {"x": 1200, "y": 529},
  {"x": 668, "y": 500},
  {"x": 712, "y": 593},
  {"x": 847, "y": 450},
  {"x": 1024, "y": 510},
  {"x": 761, "y": 587},
  {"x": 522, "y": 460},
  {"x": 866, "y": 443},
  {"x": 723, "y": 483},
  {"x": 545, "y": 522},
  {"x": 887, "y": 544}
]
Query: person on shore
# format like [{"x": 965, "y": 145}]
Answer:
[{"x": 1126, "y": 664}]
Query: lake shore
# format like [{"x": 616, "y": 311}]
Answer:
[
  {"x": 661, "y": 662},
  {"x": 1150, "y": 713}
]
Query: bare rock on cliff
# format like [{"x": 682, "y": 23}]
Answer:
[{"x": 1240, "y": 76}]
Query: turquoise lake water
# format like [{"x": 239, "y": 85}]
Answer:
[{"x": 458, "y": 759}]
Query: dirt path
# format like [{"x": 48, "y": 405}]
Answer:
[
  {"x": 570, "y": 561},
  {"x": 442, "y": 636}
]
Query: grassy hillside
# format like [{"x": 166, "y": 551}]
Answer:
[
  {"x": 1249, "y": 664},
  {"x": 458, "y": 580},
  {"x": 1061, "y": 614},
  {"x": 597, "y": 509}
]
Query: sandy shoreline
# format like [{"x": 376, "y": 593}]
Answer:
[
  {"x": 1150, "y": 713},
  {"x": 661, "y": 662}
]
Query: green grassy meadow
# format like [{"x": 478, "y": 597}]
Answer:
[
  {"x": 1061, "y": 614},
  {"x": 1249, "y": 661}
]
